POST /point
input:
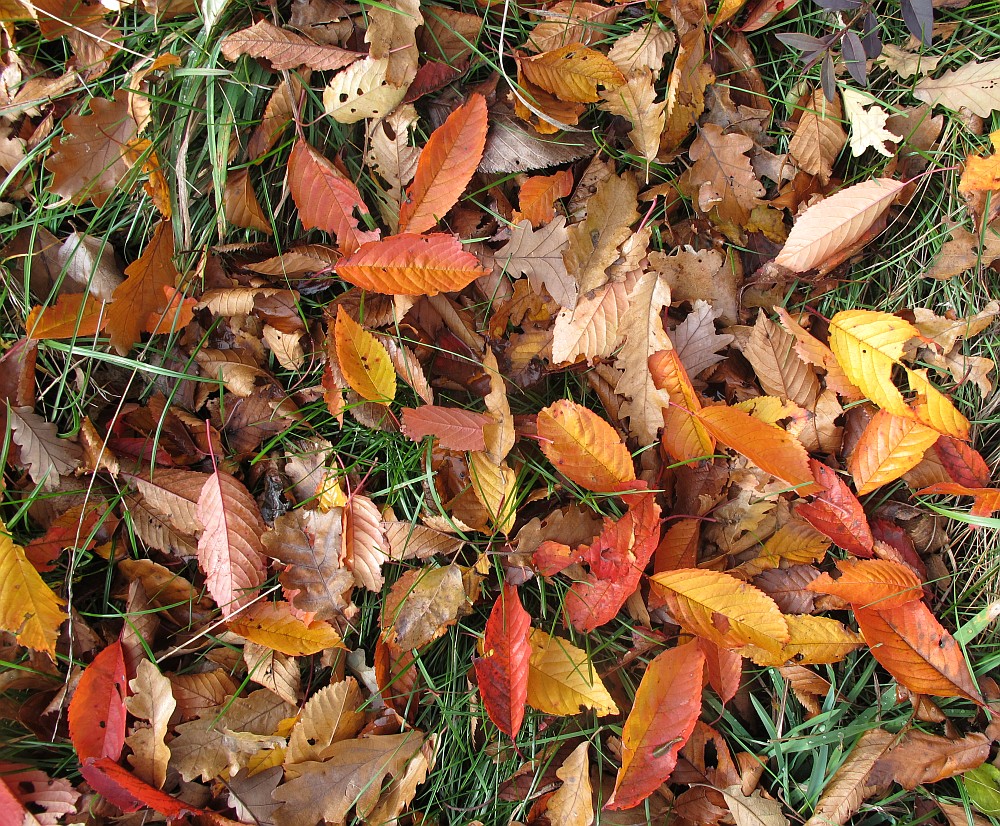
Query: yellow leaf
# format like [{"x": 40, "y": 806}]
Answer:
[
  {"x": 28, "y": 607},
  {"x": 572, "y": 72},
  {"x": 494, "y": 485},
  {"x": 562, "y": 680},
  {"x": 272, "y": 624},
  {"x": 723, "y": 609},
  {"x": 684, "y": 436},
  {"x": 982, "y": 174},
  {"x": 584, "y": 447},
  {"x": 364, "y": 362},
  {"x": 889, "y": 447},
  {"x": 813, "y": 640}
]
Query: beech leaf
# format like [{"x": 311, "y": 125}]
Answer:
[
  {"x": 454, "y": 428},
  {"x": 285, "y": 49},
  {"x": 562, "y": 679},
  {"x": 47, "y": 456}
]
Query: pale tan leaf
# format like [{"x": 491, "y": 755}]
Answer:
[
  {"x": 973, "y": 86},
  {"x": 409, "y": 541},
  {"x": 819, "y": 136},
  {"x": 538, "y": 254},
  {"x": 781, "y": 371},
  {"x": 173, "y": 493},
  {"x": 151, "y": 700},
  {"x": 689, "y": 76},
  {"x": 906, "y": 64},
  {"x": 635, "y": 101},
  {"x": 642, "y": 48},
  {"x": 364, "y": 545},
  {"x": 725, "y": 180},
  {"x": 332, "y": 714},
  {"x": 696, "y": 341},
  {"x": 753, "y": 809},
  {"x": 46, "y": 455},
  {"x": 277, "y": 672},
  {"x": 392, "y": 155},
  {"x": 400, "y": 792},
  {"x": 499, "y": 437},
  {"x": 573, "y": 802},
  {"x": 848, "y": 788},
  {"x": 392, "y": 34},
  {"x": 836, "y": 222},
  {"x": 571, "y": 21},
  {"x": 285, "y": 49},
  {"x": 867, "y": 121},
  {"x": 591, "y": 328},
  {"x": 361, "y": 91}
]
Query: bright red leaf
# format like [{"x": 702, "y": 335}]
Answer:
[
  {"x": 837, "y": 513},
  {"x": 97, "y": 710},
  {"x": 502, "y": 671}
]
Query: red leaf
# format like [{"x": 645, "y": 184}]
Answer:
[
  {"x": 837, "y": 513},
  {"x": 502, "y": 673},
  {"x": 129, "y": 793},
  {"x": 723, "y": 667},
  {"x": 617, "y": 559},
  {"x": 913, "y": 647},
  {"x": 663, "y": 716},
  {"x": 962, "y": 463},
  {"x": 97, "y": 710},
  {"x": 446, "y": 165},
  {"x": 455, "y": 428},
  {"x": 325, "y": 198}
]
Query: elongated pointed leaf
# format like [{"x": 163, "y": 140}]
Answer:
[
  {"x": 97, "y": 710},
  {"x": 273, "y": 625},
  {"x": 502, "y": 671},
  {"x": 889, "y": 447},
  {"x": 877, "y": 584},
  {"x": 562, "y": 679},
  {"x": 455, "y": 428},
  {"x": 837, "y": 513},
  {"x": 363, "y": 360}
]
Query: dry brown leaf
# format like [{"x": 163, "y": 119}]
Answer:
[
  {"x": 240, "y": 204},
  {"x": 364, "y": 545},
  {"x": 591, "y": 328},
  {"x": 724, "y": 177},
  {"x": 46, "y": 455},
  {"x": 819, "y": 137},
  {"x": 422, "y": 604},
  {"x": 285, "y": 49},
  {"x": 151, "y": 700},
  {"x": 634, "y": 101},
  {"x": 538, "y": 254},
  {"x": 686, "y": 89},
  {"x": 696, "y": 341},
  {"x": 781, "y": 371},
  {"x": 849, "y": 786},
  {"x": 392, "y": 35}
]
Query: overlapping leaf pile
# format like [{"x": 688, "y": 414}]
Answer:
[{"x": 700, "y": 491}]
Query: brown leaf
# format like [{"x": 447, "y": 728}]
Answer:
[
  {"x": 819, "y": 137},
  {"x": 392, "y": 35},
  {"x": 285, "y": 49},
  {"x": 722, "y": 172},
  {"x": 849, "y": 786},
  {"x": 921, "y": 758},
  {"x": 538, "y": 254},
  {"x": 47, "y": 456},
  {"x": 240, "y": 204},
  {"x": 591, "y": 328},
  {"x": 455, "y": 428},
  {"x": 513, "y": 147},
  {"x": 331, "y": 715},
  {"x": 781, "y": 371},
  {"x": 422, "y": 604}
]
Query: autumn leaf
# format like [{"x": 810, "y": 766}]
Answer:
[
  {"x": 584, "y": 447},
  {"x": 229, "y": 549},
  {"x": 888, "y": 448},
  {"x": 847, "y": 789},
  {"x": 422, "y": 604},
  {"x": 72, "y": 315},
  {"x": 986, "y": 500},
  {"x": 285, "y": 49},
  {"x": 811, "y": 641},
  {"x": 411, "y": 265},
  {"x": 572, "y": 804},
  {"x": 332, "y": 714},
  {"x": 572, "y": 72},
  {"x": 151, "y": 699},
  {"x": 973, "y": 86},
  {"x": 97, "y": 711},
  {"x": 502, "y": 671},
  {"x": 363, "y": 360},
  {"x": 721, "y": 608},
  {"x": 273, "y": 625},
  {"x": 326, "y": 199},
  {"x": 877, "y": 584},
  {"x": 538, "y": 194},
  {"x": 685, "y": 437},
  {"x": 47, "y": 456},
  {"x": 725, "y": 180},
  {"x": 537, "y": 254},
  {"x": 28, "y": 607},
  {"x": 910, "y": 643},
  {"x": 819, "y": 136},
  {"x": 129, "y": 793},
  {"x": 837, "y": 513},
  {"x": 454, "y": 428},
  {"x": 446, "y": 165},
  {"x": 562, "y": 679}
]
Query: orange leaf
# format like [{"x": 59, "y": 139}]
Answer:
[
  {"x": 962, "y": 463},
  {"x": 666, "y": 708},
  {"x": 584, "y": 447},
  {"x": 363, "y": 360},
  {"x": 769, "y": 447},
  {"x": 837, "y": 513},
  {"x": 538, "y": 194},
  {"x": 142, "y": 292},
  {"x": 273, "y": 625},
  {"x": 73, "y": 315},
  {"x": 240, "y": 204},
  {"x": 888, "y": 447},
  {"x": 572, "y": 72},
  {"x": 325, "y": 199},
  {"x": 455, "y": 428},
  {"x": 684, "y": 437},
  {"x": 97, "y": 710},
  {"x": 986, "y": 502},
  {"x": 229, "y": 550},
  {"x": 877, "y": 584},
  {"x": 446, "y": 165},
  {"x": 412, "y": 265},
  {"x": 982, "y": 174},
  {"x": 177, "y": 314},
  {"x": 502, "y": 671},
  {"x": 913, "y": 647},
  {"x": 679, "y": 546},
  {"x": 616, "y": 559}
]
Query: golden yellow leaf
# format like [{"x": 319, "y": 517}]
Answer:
[
  {"x": 813, "y": 640},
  {"x": 364, "y": 362},
  {"x": 272, "y": 624},
  {"x": 562, "y": 680},
  {"x": 982, "y": 174},
  {"x": 572, "y": 72},
  {"x": 495, "y": 486},
  {"x": 723, "y": 609},
  {"x": 28, "y": 607},
  {"x": 584, "y": 447}
]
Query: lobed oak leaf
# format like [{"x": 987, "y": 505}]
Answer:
[
  {"x": 422, "y": 604},
  {"x": 454, "y": 427},
  {"x": 837, "y": 513},
  {"x": 151, "y": 700},
  {"x": 772, "y": 449},
  {"x": 753, "y": 809},
  {"x": 917, "y": 651},
  {"x": 696, "y": 341},
  {"x": 571, "y": 21},
  {"x": 326, "y": 199},
  {"x": 867, "y": 121},
  {"x": 411, "y": 265},
  {"x": 350, "y": 777},
  {"x": 502, "y": 671},
  {"x": 666, "y": 707},
  {"x": 331, "y": 715},
  {"x": 28, "y": 607},
  {"x": 537, "y": 196},
  {"x": 725, "y": 180},
  {"x": 285, "y": 49},
  {"x": 723, "y": 609},
  {"x": 888, "y": 448},
  {"x": 363, "y": 360},
  {"x": 876, "y": 584},
  {"x": 562, "y": 679},
  {"x": 97, "y": 711},
  {"x": 446, "y": 165},
  {"x": 642, "y": 48},
  {"x": 986, "y": 501},
  {"x": 393, "y": 158},
  {"x": 537, "y": 254},
  {"x": 973, "y": 86},
  {"x": 142, "y": 291},
  {"x": 584, "y": 447},
  {"x": 229, "y": 549},
  {"x": 272, "y": 624},
  {"x": 391, "y": 34},
  {"x": 982, "y": 174},
  {"x": 819, "y": 137},
  {"x": 92, "y": 162},
  {"x": 46, "y": 455},
  {"x": 836, "y": 222},
  {"x": 634, "y": 100},
  {"x": 689, "y": 77}
]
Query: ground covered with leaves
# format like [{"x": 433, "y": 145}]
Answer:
[{"x": 469, "y": 413}]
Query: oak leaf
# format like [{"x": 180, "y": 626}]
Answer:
[
  {"x": 571, "y": 21},
  {"x": 326, "y": 199},
  {"x": 689, "y": 76},
  {"x": 363, "y": 360},
  {"x": 572, "y": 72},
  {"x": 538, "y": 254},
  {"x": 411, "y": 265},
  {"x": 562, "y": 679},
  {"x": 584, "y": 447},
  {"x": 272, "y": 624},
  {"x": 724, "y": 177},
  {"x": 867, "y": 121},
  {"x": 391, "y": 34},
  {"x": 982, "y": 174},
  {"x": 973, "y": 86},
  {"x": 696, "y": 341},
  {"x": 229, "y": 550},
  {"x": 666, "y": 707},
  {"x": 502, "y": 671},
  {"x": 819, "y": 136},
  {"x": 572, "y": 804},
  {"x": 446, "y": 165},
  {"x": 46, "y": 455},
  {"x": 634, "y": 100},
  {"x": 285, "y": 49},
  {"x": 642, "y": 48},
  {"x": 151, "y": 700},
  {"x": 836, "y": 222},
  {"x": 910, "y": 643}
]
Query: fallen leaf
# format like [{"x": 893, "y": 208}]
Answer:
[
  {"x": 867, "y": 121},
  {"x": 837, "y": 513},
  {"x": 972, "y": 86},
  {"x": 273, "y": 625},
  {"x": 562, "y": 679},
  {"x": 363, "y": 360},
  {"x": 572, "y": 72},
  {"x": 819, "y": 137},
  {"x": 285, "y": 49},
  {"x": 725, "y": 180},
  {"x": 97, "y": 711},
  {"x": 422, "y": 604},
  {"x": 47, "y": 456},
  {"x": 454, "y": 428},
  {"x": 502, "y": 671}
]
